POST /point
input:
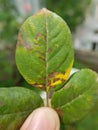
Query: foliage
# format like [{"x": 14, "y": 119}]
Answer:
[
  {"x": 78, "y": 96},
  {"x": 8, "y": 71},
  {"x": 90, "y": 122},
  {"x": 44, "y": 57},
  {"x": 9, "y": 27},
  {"x": 8, "y": 21},
  {"x": 52, "y": 60},
  {"x": 72, "y": 11},
  {"x": 23, "y": 101}
]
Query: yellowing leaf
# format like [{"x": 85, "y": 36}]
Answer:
[{"x": 44, "y": 53}]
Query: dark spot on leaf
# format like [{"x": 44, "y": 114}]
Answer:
[
  {"x": 38, "y": 86},
  {"x": 40, "y": 55},
  {"x": 40, "y": 35},
  {"x": 53, "y": 74},
  {"x": 56, "y": 79},
  {"x": 74, "y": 96},
  {"x": 20, "y": 40},
  {"x": 63, "y": 80},
  {"x": 43, "y": 78},
  {"x": 60, "y": 112},
  {"x": 23, "y": 43},
  {"x": 49, "y": 50},
  {"x": 28, "y": 47},
  {"x": 49, "y": 83},
  {"x": 42, "y": 58}
]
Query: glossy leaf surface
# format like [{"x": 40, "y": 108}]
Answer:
[
  {"x": 44, "y": 53},
  {"x": 78, "y": 96},
  {"x": 15, "y": 105}
]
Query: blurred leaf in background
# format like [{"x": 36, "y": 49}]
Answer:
[
  {"x": 8, "y": 21},
  {"x": 9, "y": 26}
]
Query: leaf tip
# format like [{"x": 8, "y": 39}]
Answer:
[{"x": 44, "y": 10}]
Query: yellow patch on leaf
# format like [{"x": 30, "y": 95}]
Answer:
[
  {"x": 60, "y": 77},
  {"x": 66, "y": 74},
  {"x": 56, "y": 83}
]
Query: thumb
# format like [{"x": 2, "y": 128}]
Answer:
[{"x": 43, "y": 118}]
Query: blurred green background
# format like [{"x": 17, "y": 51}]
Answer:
[
  {"x": 9, "y": 26},
  {"x": 72, "y": 11}
]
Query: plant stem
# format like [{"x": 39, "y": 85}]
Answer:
[{"x": 47, "y": 100}]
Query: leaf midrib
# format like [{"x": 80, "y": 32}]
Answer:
[
  {"x": 46, "y": 51},
  {"x": 76, "y": 98},
  {"x": 15, "y": 113}
]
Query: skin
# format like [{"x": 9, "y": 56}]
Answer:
[{"x": 43, "y": 118}]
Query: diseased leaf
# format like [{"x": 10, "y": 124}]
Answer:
[
  {"x": 77, "y": 97},
  {"x": 44, "y": 53},
  {"x": 16, "y": 104}
]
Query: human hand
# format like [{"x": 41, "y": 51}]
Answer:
[{"x": 43, "y": 118}]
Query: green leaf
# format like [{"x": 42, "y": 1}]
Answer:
[
  {"x": 16, "y": 104},
  {"x": 44, "y": 53},
  {"x": 78, "y": 97}
]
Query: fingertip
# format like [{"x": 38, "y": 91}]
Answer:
[{"x": 43, "y": 118}]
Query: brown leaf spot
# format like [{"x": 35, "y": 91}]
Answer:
[
  {"x": 40, "y": 35},
  {"x": 40, "y": 55},
  {"x": 60, "y": 112},
  {"x": 53, "y": 74},
  {"x": 38, "y": 86},
  {"x": 23, "y": 43},
  {"x": 43, "y": 78},
  {"x": 53, "y": 81},
  {"x": 27, "y": 46},
  {"x": 49, "y": 50},
  {"x": 20, "y": 40}
]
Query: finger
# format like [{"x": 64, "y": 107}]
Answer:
[{"x": 42, "y": 119}]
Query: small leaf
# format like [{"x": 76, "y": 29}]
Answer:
[
  {"x": 78, "y": 96},
  {"x": 16, "y": 104},
  {"x": 44, "y": 53}
]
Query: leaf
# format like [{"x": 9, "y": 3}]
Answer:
[
  {"x": 44, "y": 53},
  {"x": 90, "y": 122},
  {"x": 16, "y": 104},
  {"x": 77, "y": 98}
]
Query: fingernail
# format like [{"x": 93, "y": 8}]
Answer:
[{"x": 44, "y": 119}]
